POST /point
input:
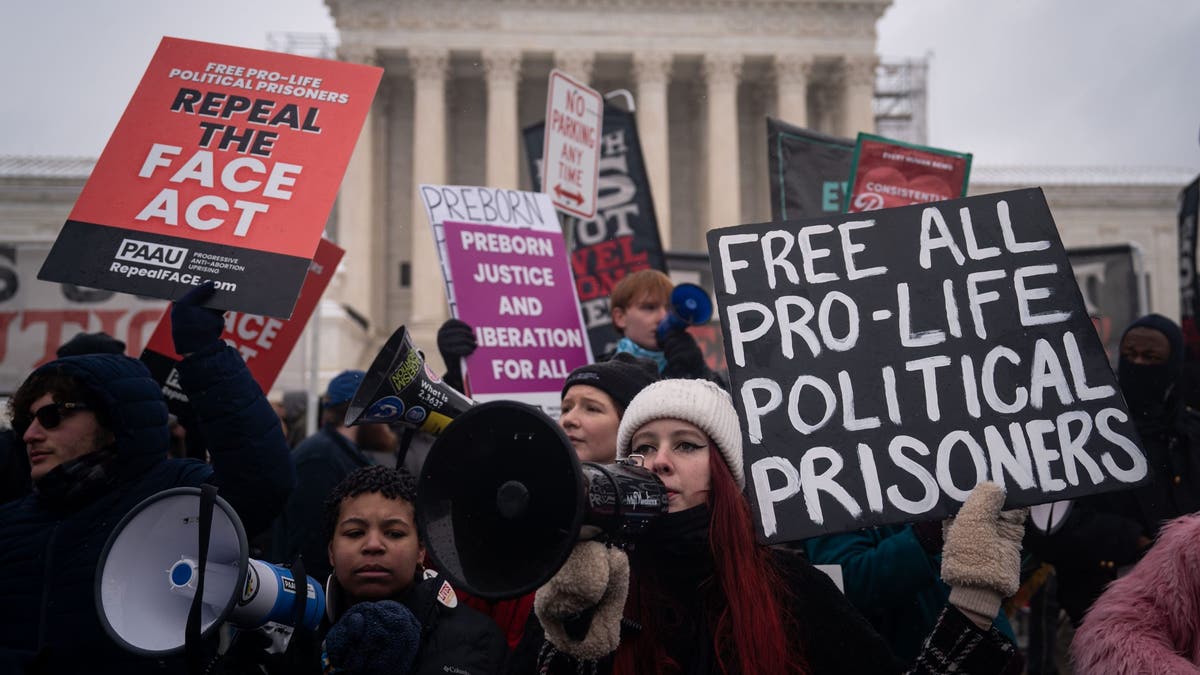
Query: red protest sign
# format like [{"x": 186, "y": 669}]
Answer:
[
  {"x": 265, "y": 342},
  {"x": 224, "y": 167},
  {"x": 885, "y": 174}
]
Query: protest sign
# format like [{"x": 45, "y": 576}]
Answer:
[
  {"x": 807, "y": 171},
  {"x": 505, "y": 265},
  {"x": 36, "y": 316},
  {"x": 223, "y": 168},
  {"x": 883, "y": 364},
  {"x": 622, "y": 237},
  {"x": 885, "y": 174},
  {"x": 574, "y": 113},
  {"x": 264, "y": 342}
]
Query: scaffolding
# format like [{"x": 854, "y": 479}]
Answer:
[{"x": 900, "y": 100}]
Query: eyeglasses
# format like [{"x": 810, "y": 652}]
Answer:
[{"x": 51, "y": 415}]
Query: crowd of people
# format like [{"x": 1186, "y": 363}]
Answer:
[{"x": 91, "y": 437}]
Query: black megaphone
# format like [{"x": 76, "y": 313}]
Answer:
[{"x": 502, "y": 499}]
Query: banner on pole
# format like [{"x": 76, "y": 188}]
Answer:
[
  {"x": 807, "y": 171},
  {"x": 885, "y": 173}
]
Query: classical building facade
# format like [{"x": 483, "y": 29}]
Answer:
[{"x": 461, "y": 79}]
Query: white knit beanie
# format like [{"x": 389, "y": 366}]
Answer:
[{"x": 699, "y": 402}]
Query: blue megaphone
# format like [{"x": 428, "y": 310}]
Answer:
[{"x": 690, "y": 306}]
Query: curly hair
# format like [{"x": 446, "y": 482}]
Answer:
[
  {"x": 62, "y": 388},
  {"x": 391, "y": 483}
]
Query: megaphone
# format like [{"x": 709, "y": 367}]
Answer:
[
  {"x": 148, "y": 572},
  {"x": 690, "y": 306},
  {"x": 399, "y": 387},
  {"x": 1049, "y": 518},
  {"x": 502, "y": 499}
]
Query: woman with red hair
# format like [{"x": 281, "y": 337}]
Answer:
[{"x": 699, "y": 595}]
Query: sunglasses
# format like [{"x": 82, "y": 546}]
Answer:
[{"x": 51, "y": 415}]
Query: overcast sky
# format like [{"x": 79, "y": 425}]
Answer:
[{"x": 1068, "y": 82}]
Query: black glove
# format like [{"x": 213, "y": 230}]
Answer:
[
  {"x": 374, "y": 637},
  {"x": 194, "y": 327},
  {"x": 684, "y": 357},
  {"x": 455, "y": 340}
]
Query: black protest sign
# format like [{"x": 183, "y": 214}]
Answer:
[
  {"x": 1189, "y": 283},
  {"x": 623, "y": 236},
  {"x": 808, "y": 171},
  {"x": 883, "y": 363}
]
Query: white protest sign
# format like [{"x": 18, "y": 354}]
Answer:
[{"x": 571, "y": 149}]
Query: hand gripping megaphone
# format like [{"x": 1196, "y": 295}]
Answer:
[
  {"x": 399, "y": 387},
  {"x": 149, "y": 572},
  {"x": 502, "y": 499},
  {"x": 690, "y": 306}
]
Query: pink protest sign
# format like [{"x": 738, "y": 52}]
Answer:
[{"x": 514, "y": 286}]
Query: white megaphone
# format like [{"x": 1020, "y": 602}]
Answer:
[{"x": 148, "y": 572}]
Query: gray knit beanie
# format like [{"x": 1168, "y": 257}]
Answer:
[{"x": 699, "y": 402}]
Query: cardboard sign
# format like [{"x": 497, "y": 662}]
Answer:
[
  {"x": 807, "y": 170},
  {"x": 884, "y": 365},
  {"x": 623, "y": 237},
  {"x": 520, "y": 221},
  {"x": 264, "y": 342},
  {"x": 224, "y": 167},
  {"x": 574, "y": 114},
  {"x": 36, "y": 316},
  {"x": 885, "y": 174},
  {"x": 515, "y": 289}
]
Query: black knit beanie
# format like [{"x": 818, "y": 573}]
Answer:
[{"x": 621, "y": 377}]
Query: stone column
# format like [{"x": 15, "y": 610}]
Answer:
[
  {"x": 652, "y": 71},
  {"x": 428, "y": 66},
  {"x": 502, "y": 68},
  {"x": 791, "y": 88},
  {"x": 358, "y": 227},
  {"x": 721, "y": 73},
  {"x": 858, "y": 94},
  {"x": 578, "y": 64}
]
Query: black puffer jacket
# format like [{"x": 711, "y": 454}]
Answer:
[{"x": 52, "y": 539}]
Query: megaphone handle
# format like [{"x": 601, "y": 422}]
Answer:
[{"x": 192, "y": 646}]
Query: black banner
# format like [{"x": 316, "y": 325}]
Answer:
[
  {"x": 623, "y": 237},
  {"x": 143, "y": 263},
  {"x": 884, "y": 363},
  {"x": 1189, "y": 288},
  {"x": 808, "y": 171}
]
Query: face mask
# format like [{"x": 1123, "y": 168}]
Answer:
[{"x": 1145, "y": 387}]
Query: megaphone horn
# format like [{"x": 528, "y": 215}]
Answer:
[
  {"x": 146, "y": 579},
  {"x": 399, "y": 387},
  {"x": 690, "y": 306},
  {"x": 502, "y": 499}
]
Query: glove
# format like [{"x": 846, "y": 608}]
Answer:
[
  {"x": 683, "y": 354},
  {"x": 374, "y": 638},
  {"x": 580, "y": 608},
  {"x": 981, "y": 557},
  {"x": 455, "y": 340},
  {"x": 194, "y": 327}
]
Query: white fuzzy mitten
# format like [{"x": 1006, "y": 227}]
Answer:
[
  {"x": 581, "y": 606},
  {"x": 981, "y": 559}
]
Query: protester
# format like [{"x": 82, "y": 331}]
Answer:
[
  {"x": 638, "y": 304},
  {"x": 890, "y": 574},
  {"x": 14, "y": 467},
  {"x": 1149, "y": 620},
  {"x": 95, "y": 427},
  {"x": 391, "y": 615},
  {"x": 1109, "y": 532},
  {"x": 697, "y": 594},
  {"x": 594, "y": 398},
  {"x": 322, "y": 461}
]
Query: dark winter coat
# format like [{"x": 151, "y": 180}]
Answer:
[
  {"x": 834, "y": 637},
  {"x": 892, "y": 580},
  {"x": 322, "y": 461},
  {"x": 51, "y": 545},
  {"x": 1100, "y": 535}
]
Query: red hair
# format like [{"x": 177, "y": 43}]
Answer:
[{"x": 750, "y": 628}]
